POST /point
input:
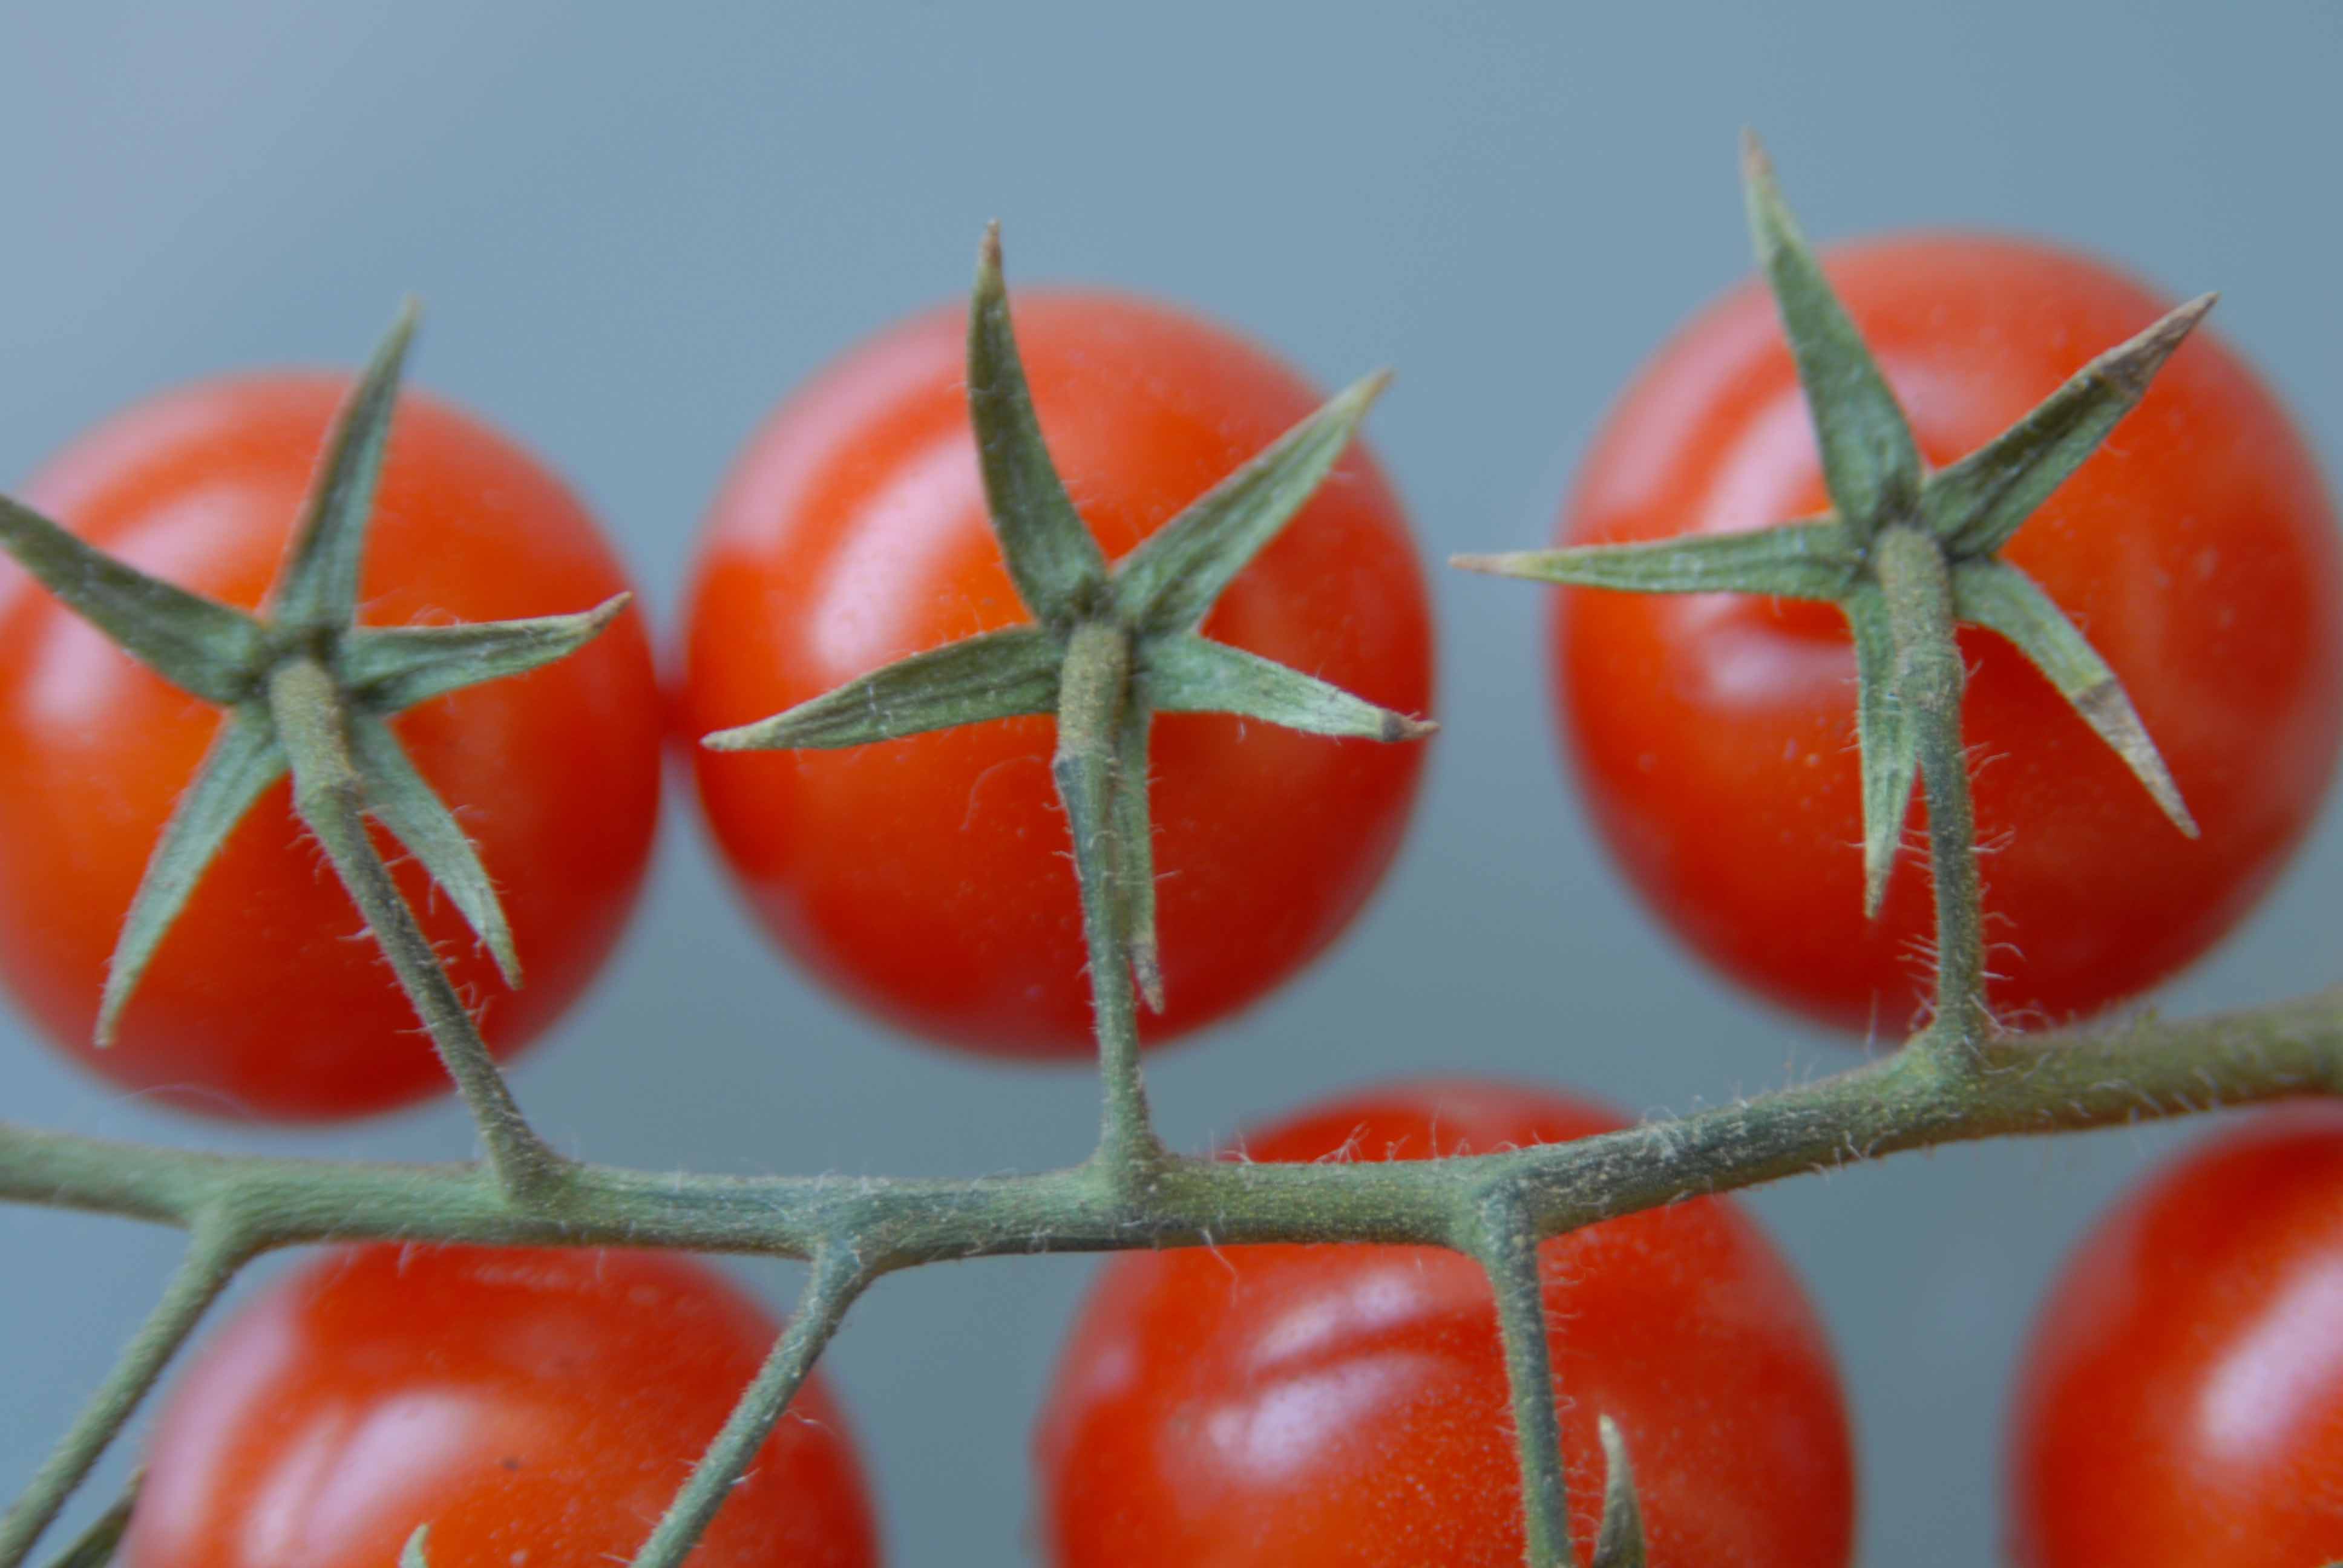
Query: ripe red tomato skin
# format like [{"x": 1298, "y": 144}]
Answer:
[
  {"x": 2181, "y": 1400},
  {"x": 928, "y": 878},
  {"x": 530, "y": 1407},
  {"x": 260, "y": 1004},
  {"x": 1331, "y": 1405},
  {"x": 1671, "y": 705}
]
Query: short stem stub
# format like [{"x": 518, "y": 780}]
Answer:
[
  {"x": 96, "y": 1547},
  {"x": 1916, "y": 581},
  {"x": 1095, "y": 691},
  {"x": 330, "y": 793}
]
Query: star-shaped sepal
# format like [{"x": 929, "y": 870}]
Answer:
[
  {"x": 1962, "y": 515},
  {"x": 1108, "y": 647},
  {"x": 305, "y": 689}
]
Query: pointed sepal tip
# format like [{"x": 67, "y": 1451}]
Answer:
[
  {"x": 1619, "y": 1541},
  {"x": 1172, "y": 579}
]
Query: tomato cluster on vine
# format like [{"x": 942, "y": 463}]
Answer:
[{"x": 1289, "y": 1405}]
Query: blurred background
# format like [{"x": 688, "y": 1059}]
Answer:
[{"x": 634, "y": 233}]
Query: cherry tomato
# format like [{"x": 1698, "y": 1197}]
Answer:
[
  {"x": 536, "y": 1408},
  {"x": 1713, "y": 735},
  {"x": 264, "y": 999},
  {"x": 1342, "y": 1404},
  {"x": 930, "y": 878},
  {"x": 2182, "y": 1402}
]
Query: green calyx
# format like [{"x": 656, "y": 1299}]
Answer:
[
  {"x": 353, "y": 678},
  {"x": 1878, "y": 483},
  {"x": 1109, "y": 646}
]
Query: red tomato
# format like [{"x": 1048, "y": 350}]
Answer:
[
  {"x": 1713, "y": 735},
  {"x": 1342, "y": 1404},
  {"x": 2182, "y": 1404},
  {"x": 537, "y": 1408},
  {"x": 930, "y": 878},
  {"x": 264, "y": 1000}
]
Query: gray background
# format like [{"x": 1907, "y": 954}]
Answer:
[{"x": 634, "y": 234}]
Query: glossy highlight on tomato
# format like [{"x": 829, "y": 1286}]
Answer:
[
  {"x": 930, "y": 878},
  {"x": 2181, "y": 1404},
  {"x": 265, "y": 999},
  {"x": 1330, "y": 1405},
  {"x": 536, "y": 1408},
  {"x": 1713, "y": 735}
]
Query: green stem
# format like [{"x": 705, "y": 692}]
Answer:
[
  {"x": 329, "y": 792},
  {"x": 1094, "y": 693},
  {"x": 1930, "y": 677},
  {"x": 2062, "y": 1081},
  {"x": 1507, "y": 1246},
  {"x": 836, "y": 1283},
  {"x": 215, "y": 1252}
]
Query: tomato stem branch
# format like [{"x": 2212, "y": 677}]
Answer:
[
  {"x": 330, "y": 793},
  {"x": 838, "y": 1279},
  {"x": 1093, "y": 696},
  {"x": 1916, "y": 581},
  {"x": 237, "y": 1205},
  {"x": 2024, "y": 1085},
  {"x": 1507, "y": 1243},
  {"x": 215, "y": 1252},
  {"x": 2064, "y": 1081}
]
